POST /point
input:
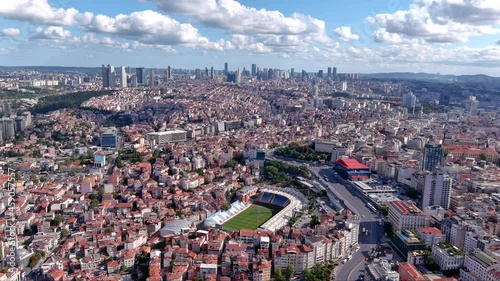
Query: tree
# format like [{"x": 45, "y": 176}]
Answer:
[
  {"x": 94, "y": 204},
  {"x": 225, "y": 207},
  {"x": 412, "y": 193},
  {"x": 290, "y": 270},
  {"x": 278, "y": 275},
  {"x": 58, "y": 219},
  {"x": 118, "y": 161},
  {"x": 64, "y": 233},
  {"x": 483, "y": 156},
  {"x": 101, "y": 191},
  {"x": 314, "y": 220}
]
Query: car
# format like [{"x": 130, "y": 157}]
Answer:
[{"x": 362, "y": 216}]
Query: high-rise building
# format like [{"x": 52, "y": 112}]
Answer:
[
  {"x": 212, "y": 76},
  {"x": 437, "y": 189},
  {"x": 141, "y": 75},
  {"x": 433, "y": 157},
  {"x": 334, "y": 73},
  {"x": 197, "y": 74},
  {"x": 409, "y": 101},
  {"x": 238, "y": 76},
  {"x": 108, "y": 76},
  {"x": 471, "y": 105},
  {"x": 152, "y": 77},
  {"x": 170, "y": 72},
  {"x": 444, "y": 99},
  {"x": 292, "y": 73},
  {"x": 343, "y": 87},
  {"x": 226, "y": 70},
  {"x": 329, "y": 73},
  {"x": 254, "y": 69},
  {"x": 123, "y": 77},
  {"x": 104, "y": 74},
  {"x": 304, "y": 74},
  {"x": 320, "y": 73}
]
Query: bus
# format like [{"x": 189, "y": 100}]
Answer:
[{"x": 371, "y": 207}]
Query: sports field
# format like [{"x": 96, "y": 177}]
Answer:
[{"x": 252, "y": 218}]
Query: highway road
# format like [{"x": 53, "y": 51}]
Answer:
[{"x": 368, "y": 219}]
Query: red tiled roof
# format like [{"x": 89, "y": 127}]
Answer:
[{"x": 351, "y": 164}]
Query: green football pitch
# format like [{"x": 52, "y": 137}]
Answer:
[{"x": 252, "y": 218}]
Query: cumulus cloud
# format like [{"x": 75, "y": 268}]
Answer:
[
  {"x": 237, "y": 18},
  {"x": 92, "y": 39},
  {"x": 41, "y": 12},
  {"x": 10, "y": 32},
  {"x": 345, "y": 34},
  {"x": 438, "y": 21},
  {"x": 152, "y": 28},
  {"x": 53, "y": 33},
  {"x": 264, "y": 31}
]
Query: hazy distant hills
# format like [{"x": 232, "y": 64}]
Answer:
[
  {"x": 479, "y": 78},
  {"x": 62, "y": 69}
]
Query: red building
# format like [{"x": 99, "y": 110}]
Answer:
[{"x": 351, "y": 169}]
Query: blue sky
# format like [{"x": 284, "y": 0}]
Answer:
[{"x": 446, "y": 36}]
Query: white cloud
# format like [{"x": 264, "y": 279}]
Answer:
[
  {"x": 41, "y": 12},
  {"x": 439, "y": 21},
  {"x": 498, "y": 42},
  {"x": 91, "y": 38},
  {"x": 53, "y": 33},
  {"x": 237, "y": 18},
  {"x": 10, "y": 32},
  {"x": 152, "y": 28},
  {"x": 267, "y": 31},
  {"x": 382, "y": 36},
  {"x": 345, "y": 34}
]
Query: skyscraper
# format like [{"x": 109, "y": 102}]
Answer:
[
  {"x": 152, "y": 77},
  {"x": 254, "y": 69},
  {"x": 225, "y": 68},
  {"x": 141, "y": 75},
  {"x": 104, "y": 74},
  {"x": 433, "y": 157},
  {"x": 329, "y": 74},
  {"x": 123, "y": 77},
  {"x": 110, "y": 77},
  {"x": 212, "y": 76},
  {"x": 238, "y": 76},
  {"x": 170, "y": 72},
  {"x": 320, "y": 73},
  {"x": 471, "y": 105},
  {"x": 409, "y": 101},
  {"x": 292, "y": 73},
  {"x": 437, "y": 189},
  {"x": 334, "y": 73}
]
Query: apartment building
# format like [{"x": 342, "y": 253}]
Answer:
[{"x": 405, "y": 215}]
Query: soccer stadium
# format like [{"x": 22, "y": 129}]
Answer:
[{"x": 271, "y": 209}]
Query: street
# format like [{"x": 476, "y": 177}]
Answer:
[
  {"x": 354, "y": 267},
  {"x": 368, "y": 219}
]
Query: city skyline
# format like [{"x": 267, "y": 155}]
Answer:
[{"x": 455, "y": 37}]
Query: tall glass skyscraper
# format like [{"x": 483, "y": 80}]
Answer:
[{"x": 433, "y": 157}]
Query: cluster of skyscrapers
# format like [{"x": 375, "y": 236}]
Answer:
[
  {"x": 124, "y": 78},
  {"x": 11, "y": 124}
]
